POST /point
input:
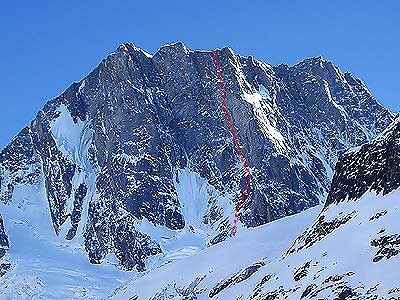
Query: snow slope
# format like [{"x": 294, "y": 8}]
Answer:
[
  {"x": 262, "y": 244},
  {"x": 340, "y": 262},
  {"x": 54, "y": 268},
  {"x": 46, "y": 266},
  {"x": 336, "y": 257}
]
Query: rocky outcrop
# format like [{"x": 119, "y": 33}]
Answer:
[
  {"x": 375, "y": 166},
  {"x": 4, "y": 246},
  {"x": 235, "y": 279},
  {"x": 388, "y": 246}
]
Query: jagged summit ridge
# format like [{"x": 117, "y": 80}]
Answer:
[{"x": 118, "y": 151}]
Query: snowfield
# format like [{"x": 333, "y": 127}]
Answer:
[
  {"x": 46, "y": 266},
  {"x": 262, "y": 244},
  {"x": 340, "y": 265},
  {"x": 291, "y": 258}
]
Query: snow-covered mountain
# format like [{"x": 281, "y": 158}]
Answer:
[
  {"x": 135, "y": 164},
  {"x": 350, "y": 251}
]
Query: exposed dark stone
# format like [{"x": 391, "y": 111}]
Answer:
[
  {"x": 80, "y": 194},
  {"x": 318, "y": 231},
  {"x": 375, "y": 166},
  {"x": 382, "y": 230},
  {"x": 378, "y": 215},
  {"x": 219, "y": 238},
  {"x": 279, "y": 293},
  {"x": 335, "y": 285},
  {"x": 308, "y": 290},
  {"x": 302, "y": 271},
  {"x": 131, "y": 246},
  {"x": 259, "y": 286},
  {"x": 189, "y": 292},
  {"x": 346, "y": 293},
  {"x": 333, "y": 278},
  {"x": 394, "y": 290},
  {"x": 4, "y": 245},
  {"x": 4, "y": 267},
  {"x": 19, "y": 164},
  {"x": 235, "y": 279},
  {"x": 388, "y": 246}
]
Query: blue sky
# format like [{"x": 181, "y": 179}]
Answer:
[{"x": 46, "y": 45}]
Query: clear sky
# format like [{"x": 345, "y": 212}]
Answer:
[{"x": 46, "y": 45}]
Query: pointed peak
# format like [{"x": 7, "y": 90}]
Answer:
[
  {"x": 173, "y": 47},
  {"x": 227, "y": 49},
  {"x": 315, "y": 60},
  {"x": 283, "y": 66},
  {"x": 318, "y": 58},
  {"x": 354, "y": 81},
  {"x": 132, "y": 48},
  {"x": 349, "y": 76}
]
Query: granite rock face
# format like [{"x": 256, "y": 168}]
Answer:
[
  {"x": 375, "y": 166},
  {"x": 110, "y": 149},
  {"x": 4, "y": 246}
]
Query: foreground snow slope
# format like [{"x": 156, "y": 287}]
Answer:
[
  {"x": 202, "y": 271},
  {"x": 46, "y": 267},
  {"x": 336, "y": 258},
  {"x": 339, "y": 256}
]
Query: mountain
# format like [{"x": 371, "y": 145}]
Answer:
[
  {"x": 136, "y": 162},
  {"x": 350, "y": 251}
]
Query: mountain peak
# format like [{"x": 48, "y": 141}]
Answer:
[
  {"x": 178, "y": 47},
  {"x": 132, "y": 48},
  {"x": 314, "y": 61},
  {"x": 142, "y": 146}
]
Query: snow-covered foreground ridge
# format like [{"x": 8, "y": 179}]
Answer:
[
  {"x": 254, "y": 265},
  {"x": 344, "y": 259},
  {"x": 195, "y": 276}
]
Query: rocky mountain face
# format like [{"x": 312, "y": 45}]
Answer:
[
  {"x": 350, "y": 251},
  {"x": 138, "y": 154}
]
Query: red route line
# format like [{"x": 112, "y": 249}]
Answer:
[{"x": 236, "y": 140}]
